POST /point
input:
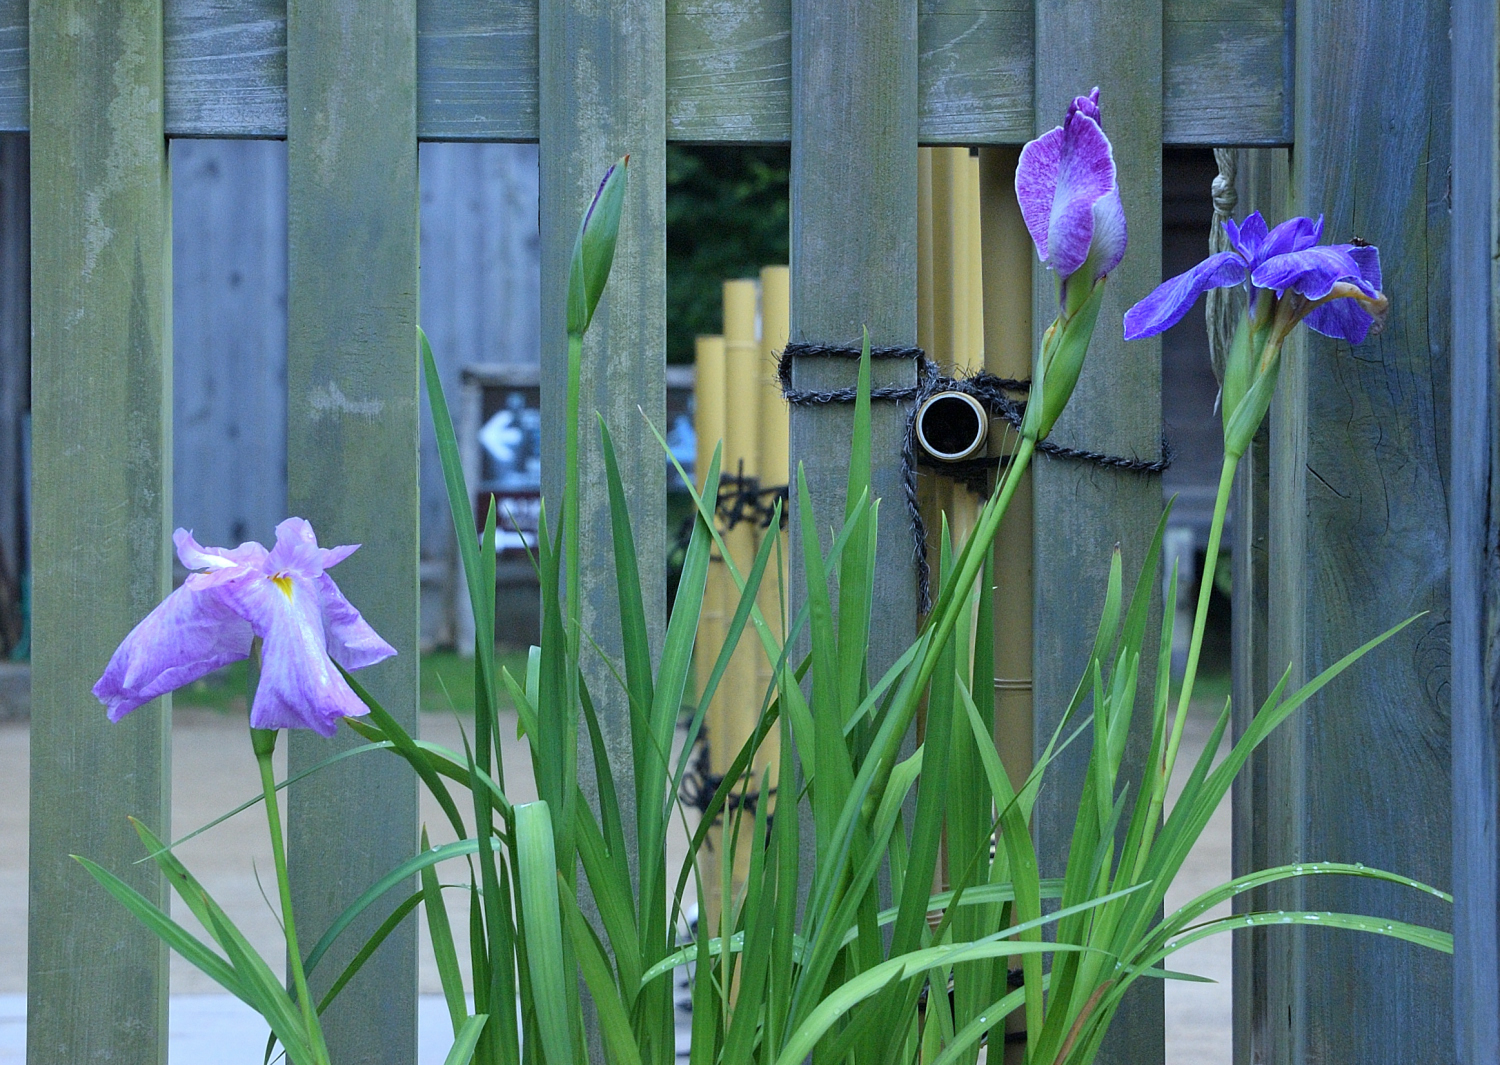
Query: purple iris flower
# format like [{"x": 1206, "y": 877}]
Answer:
[
  {"x": 285, "y": 597},
  {"x": 1336, "y": 288},
  {"x": 1065, "y": 183}
]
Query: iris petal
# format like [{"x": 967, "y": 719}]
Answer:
[
  {"x": 1247, "y": 237},
  {"x": 297, "y": 550},
  {"x": 1312, "y": 272},
  {"x": 191, "y": 633},
  {"x": 1342, "y": 320},
  {"x": 1172, "y": 299},
  {"x": 1036, "y": 184},
  {"x": 1295, "y": 234},
  {"x": 352, "y": 643},
  {"x": 1085, "y": 175},
  {"x": 299, "y": 686}
]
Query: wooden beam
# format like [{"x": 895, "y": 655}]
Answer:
[
  {"x": 587, "y": 123},
  {"x": 1359, "y": 501},
  {"x": 101, "y": 345},
  {"x": 352, "y": 418},
  {"x": 728, "y": 70},
  {"x": 1116, "y": 409},
  {"x": 1475, "y": 491}
]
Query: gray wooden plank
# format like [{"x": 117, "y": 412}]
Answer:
[
  {"x": 586, "y": 124},
  {"x": 1115, "y": 409},
  {"x": 1474, "y": 588},
  {"x": 352, "y": 433},
  {"x": 1360, "y": 478},
  {"x": 854, "y": 266},
  {"x": 1263, "y": 176},
  {"x": 101, "y": 334},
  {"x": 226, "y": 68},
  {"x": 728, "y": 70},
  {"x": 229, "y": 325}
]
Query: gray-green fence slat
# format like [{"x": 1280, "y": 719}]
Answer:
[
  {"x": 586, "y": 125},
  {"x": 1360, "y": 496},
  {"x": 1116, "y": 409},
  {"x": 101, "y": 423},
  {"x": 728, "y": 76},
  {"x": 1476, "y": 756},
  {"x": 352, "y": 424}
]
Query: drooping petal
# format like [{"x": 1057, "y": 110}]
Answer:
[
  {"x": 191, "y": 633},
  {"x": 1295, "y": 234},
  {"x": 352, "y": 643},
  {"x": 1172, "y": 299},
  {"x": 1342, "y": 320},
  {"x": 299, "y": 686},
  {"x": 1085, "y": 174},
  {"x": 1311, "y": 272},
  {"x": 1110, "y": 235},
  {"x": 1247, "y": 237},
  {"x": 197, "y": 557},
  {"x": 297, "y": 550},
  {"x": 1036, "y": 185}
]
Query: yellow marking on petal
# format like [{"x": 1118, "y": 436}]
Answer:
[{"x": 284, "y": 583}]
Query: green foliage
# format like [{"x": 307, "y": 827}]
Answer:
[{"x": 727, "y": 216}]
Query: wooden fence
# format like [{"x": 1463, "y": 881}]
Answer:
[{"x": 1348, "y": 497}]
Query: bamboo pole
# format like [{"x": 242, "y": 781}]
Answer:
[
  {"x": 775, "y": 466},
  {"x": 1007, "y": 353}
]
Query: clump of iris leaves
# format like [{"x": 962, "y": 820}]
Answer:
[{"x": 836, "y": 947}]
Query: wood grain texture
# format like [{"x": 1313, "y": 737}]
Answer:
[
  {"x": 229, "y": 327},
  {"x": 1360, "y": 493},
  {"x": 1475, "y": 514},
  {"x": 853, "y": 248},
  {"x": 352, "y": 418},
  {"x": 15, "y": 375},
  {"x": 1115, "y": 409},
  {"x": 101, "y": 403},
  {"x": 728, "y": 69},
  {"x": 1263, "y": 185},
  {"x": 603, "y": 95}
]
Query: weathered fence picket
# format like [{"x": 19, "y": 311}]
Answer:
[
  {"x": 1476, "y": 551},
  {"x": 1116, "y": 409},
  {"x": 1359, "y": 510},
  {"x": 352, "y": 423},
  {"x": 101, "y": 423}
]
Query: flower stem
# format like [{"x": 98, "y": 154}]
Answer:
[
  {"x": 1199, "y": 620},
  {"x": 264, "y": 741}
]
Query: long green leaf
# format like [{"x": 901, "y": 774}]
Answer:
[
  {"x": 537, "y": 875},
  {"x": 465, "y": 1040}
]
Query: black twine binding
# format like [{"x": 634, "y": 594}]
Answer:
[{"x": 994, "y": 392}]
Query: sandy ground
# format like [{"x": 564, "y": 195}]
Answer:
[{"x": 214, "y": 770}]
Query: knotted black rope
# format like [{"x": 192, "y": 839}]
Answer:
[{"x": 996, "y": 393}]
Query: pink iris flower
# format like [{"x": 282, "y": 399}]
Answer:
[
  {"x": 1069, "y": 198},
  {"x": 285, "y": 597}
]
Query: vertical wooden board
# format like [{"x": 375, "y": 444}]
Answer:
[
  {"x": 1116, "y": 409},
  {"x": 603, "y": 95},
  {"x": 1361, "y": 480},
  {"x": 1475, "y": 520},
  {"x": 352, "y": 419},
  {"x": 229, "y": 326},
  {"x": 101, "y": 323},
  {"x": 1262, "y": 185},
  {"x": 854, "y": 245}
]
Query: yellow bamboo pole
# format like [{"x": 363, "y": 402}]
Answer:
[
  {"x": 1007, "y": 349},
  {"x": 932, "y": 490},
  {"x": 733, "y": 717},
  {"x": 709, "y": 402},
  {"x": 775, "y": 465},
  {"x": 1006, "y": 254}
]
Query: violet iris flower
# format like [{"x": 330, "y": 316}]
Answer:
[
  {"x": 1069, "y": 198},
  {"x": 1335, "y": 288},
  {"x": 285, "y": 597}
]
